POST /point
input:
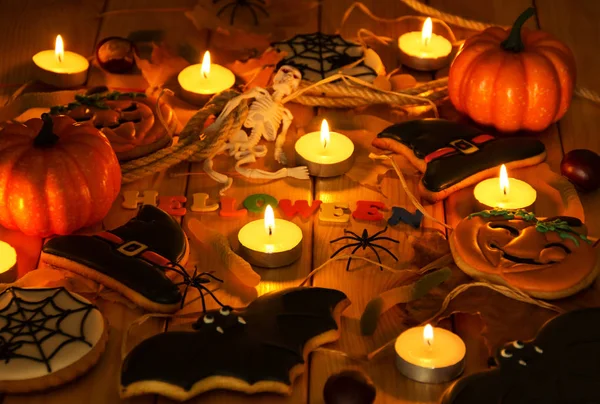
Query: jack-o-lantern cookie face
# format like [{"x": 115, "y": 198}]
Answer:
[
  {"x": 128, "y": 120},
  {"x": 546, "y": 258}
]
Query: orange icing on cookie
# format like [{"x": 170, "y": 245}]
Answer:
[{"x": 522, "y": 256}]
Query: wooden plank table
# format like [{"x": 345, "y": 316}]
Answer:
[{"x": 30, "y": 26}]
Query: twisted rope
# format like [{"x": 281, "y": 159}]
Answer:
[{"x": 193, "y": 144}]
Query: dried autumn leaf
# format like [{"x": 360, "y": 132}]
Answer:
[
  {"x": 256, "y": 72},
  {"x": 163, "y": 66}
]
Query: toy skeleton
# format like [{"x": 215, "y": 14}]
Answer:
[{"x": 265, "y": 117}]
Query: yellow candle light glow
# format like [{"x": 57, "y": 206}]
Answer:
[
  {"x": 61, "y": 68},
  {"x": 504, "y": 192},
  {"x": 201, "y": 80},
  {"x": 430, "y": 355},
  {"x": 424, "y": 50},
  {"x": 325, "y": 153},
  {"x": 270, "y": 242},
  {"x": 8, "y": 263}
]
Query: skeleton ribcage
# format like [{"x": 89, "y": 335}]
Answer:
[{"x": 264, "y": 118}]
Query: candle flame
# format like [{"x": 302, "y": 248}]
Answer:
[
  {"x": 428, "y": 335},
  {"x": 269, "y": 220},
  {"x": 503, "y": 180},
  {"x": 8, "y": 256},
  {"x": 59, "y": 49},
  {"x": 426, "y": 32},
  {"x": 325, "y": 137},
  {"x": 205, "y": 69}
]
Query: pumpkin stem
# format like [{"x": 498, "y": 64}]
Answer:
[
  {"x": 514, "y": 43},
  {"x": 46, "y": 138}
]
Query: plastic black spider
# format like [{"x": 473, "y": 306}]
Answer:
[
  {"x": 365, "y": 241},
  {"x": 198, "y": 281},
  {"x": 251, "y": 5}
]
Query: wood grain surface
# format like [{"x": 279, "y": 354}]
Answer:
[{"x": 29, "y": 26}]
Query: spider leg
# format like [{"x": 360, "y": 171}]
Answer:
[
  {"x": 254, "y": 16},
  {"x": 384, "y": 238},
  {"x": 353, "y": 233},
  {"x": 350, "y": 258},
  {"x": 258, "y": 1},
  {"x": 345, "y": 238},
  {"x": 377, "y": 254},
  {"x": 210, "y": 293},
  {"x": 344, "y": 247},
  {"x": 385, "y": 249},
  {"x": 209, "y": 275},
  {"x": 224, "y": 8},
  {"x": 233, "y": 11},
  {"x": 378, "y": 233},
  {"x": 185, "y": 291},
  {"x": 259, "y": 6}
]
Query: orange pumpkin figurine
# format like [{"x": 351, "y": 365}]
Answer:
[
  {"x": 56, "y": 176},
  {"x": 513, "y": 79}
]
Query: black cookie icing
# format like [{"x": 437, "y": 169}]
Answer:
[
  {"x": 262, "y": 342},
  {"x": 560, "y": 366},
  {"x": 152, "y": 227},
  {"x": 319, "y": 56},
  {"x": 426, "y": 136}
]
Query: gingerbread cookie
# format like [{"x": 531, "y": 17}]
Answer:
[
  {"x": 131, "y": 259},
  {"x": 560, "y": 366},
  {"x": 48, "y": 337},
  {"x": 319, "y": 56},
  {"x": 261, "y": 348},
  {"x": 128, "y": 120},
  {"x": 545, "y": 258},
  {"x": 453, "y": 156}
]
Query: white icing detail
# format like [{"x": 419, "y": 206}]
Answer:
[
  {"x": 224, "y": 311},
  {"x": 241, "y": 320},
  {"x": 219, "y": 329},
  {"x": 518, "y": 345},
  {"x": 208, "y": 319},
  {"x": 522, "y": 362},
  {"x": 505, "y": 354},
  {"x": 93, "y": 328},
  {"x": 538, "y": 349}
]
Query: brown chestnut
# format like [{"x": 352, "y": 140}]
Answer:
[
  {"x": 349, "y": 387},
  {"x": 582, "y": 168},
  {"x": 115, "y": 54}
]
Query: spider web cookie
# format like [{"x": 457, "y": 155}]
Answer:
[
  {"x": 319, "y": 56},
  {"x": 47, "y": 337}
]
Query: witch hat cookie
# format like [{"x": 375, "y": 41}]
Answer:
[{"x": 130, "y": 259}]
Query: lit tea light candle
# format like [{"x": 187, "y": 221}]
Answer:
[
  {"x": 8, "y": 263},
  {"x": 61, "y": 68},
  {"x": 430, "y": 355},
  {"x": 504, "y": 192},
  {"x": 200, "y": 81},
  {"x": 325, "y": 153},
  {"x": 424, "y": 50},
  {"x": 270, "y": 243}
]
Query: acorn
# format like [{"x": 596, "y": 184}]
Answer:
[
  {"x": 582, "y": 168},
  {"x": 349, "y": 387},
  {"x": 115, "y": 54}
]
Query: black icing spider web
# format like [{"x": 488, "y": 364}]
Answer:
[
  {"x": 330, "y": 52},
  {"x": 29, "y": 322}
]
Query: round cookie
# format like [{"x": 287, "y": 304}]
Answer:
[
  {"x": 48, "y": 337},
  {"x": 129, "y": 121},
  {"x": 545, "y": 258}
]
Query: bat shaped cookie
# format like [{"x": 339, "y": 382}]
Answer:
[
  {"x": 130, "y": 259},
  {"x": 261, "y": 348},
  {"x": 453, "y": 156},
  {"x": 560, "y": 366}
]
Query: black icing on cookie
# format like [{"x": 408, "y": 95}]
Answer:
[
  {"x": 454, "y": 152},
  {"x": 320, "y": 55},
  {"x": 561, "y": 365},
  {"x": 133, "y": 254},
  {"x": 260, "y": 344}
]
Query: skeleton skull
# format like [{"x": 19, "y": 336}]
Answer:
[{"x": 286, "y": 80}]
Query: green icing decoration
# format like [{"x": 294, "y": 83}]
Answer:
[
  {"x": 94, "y": 100},
  {"x": 257, "y": 203},
  {"x": 559, "y": 226}
]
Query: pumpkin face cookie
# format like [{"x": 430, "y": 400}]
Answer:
[
  {"x": 129, "y": 120},
  {"x": 545, "y": 258}
]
